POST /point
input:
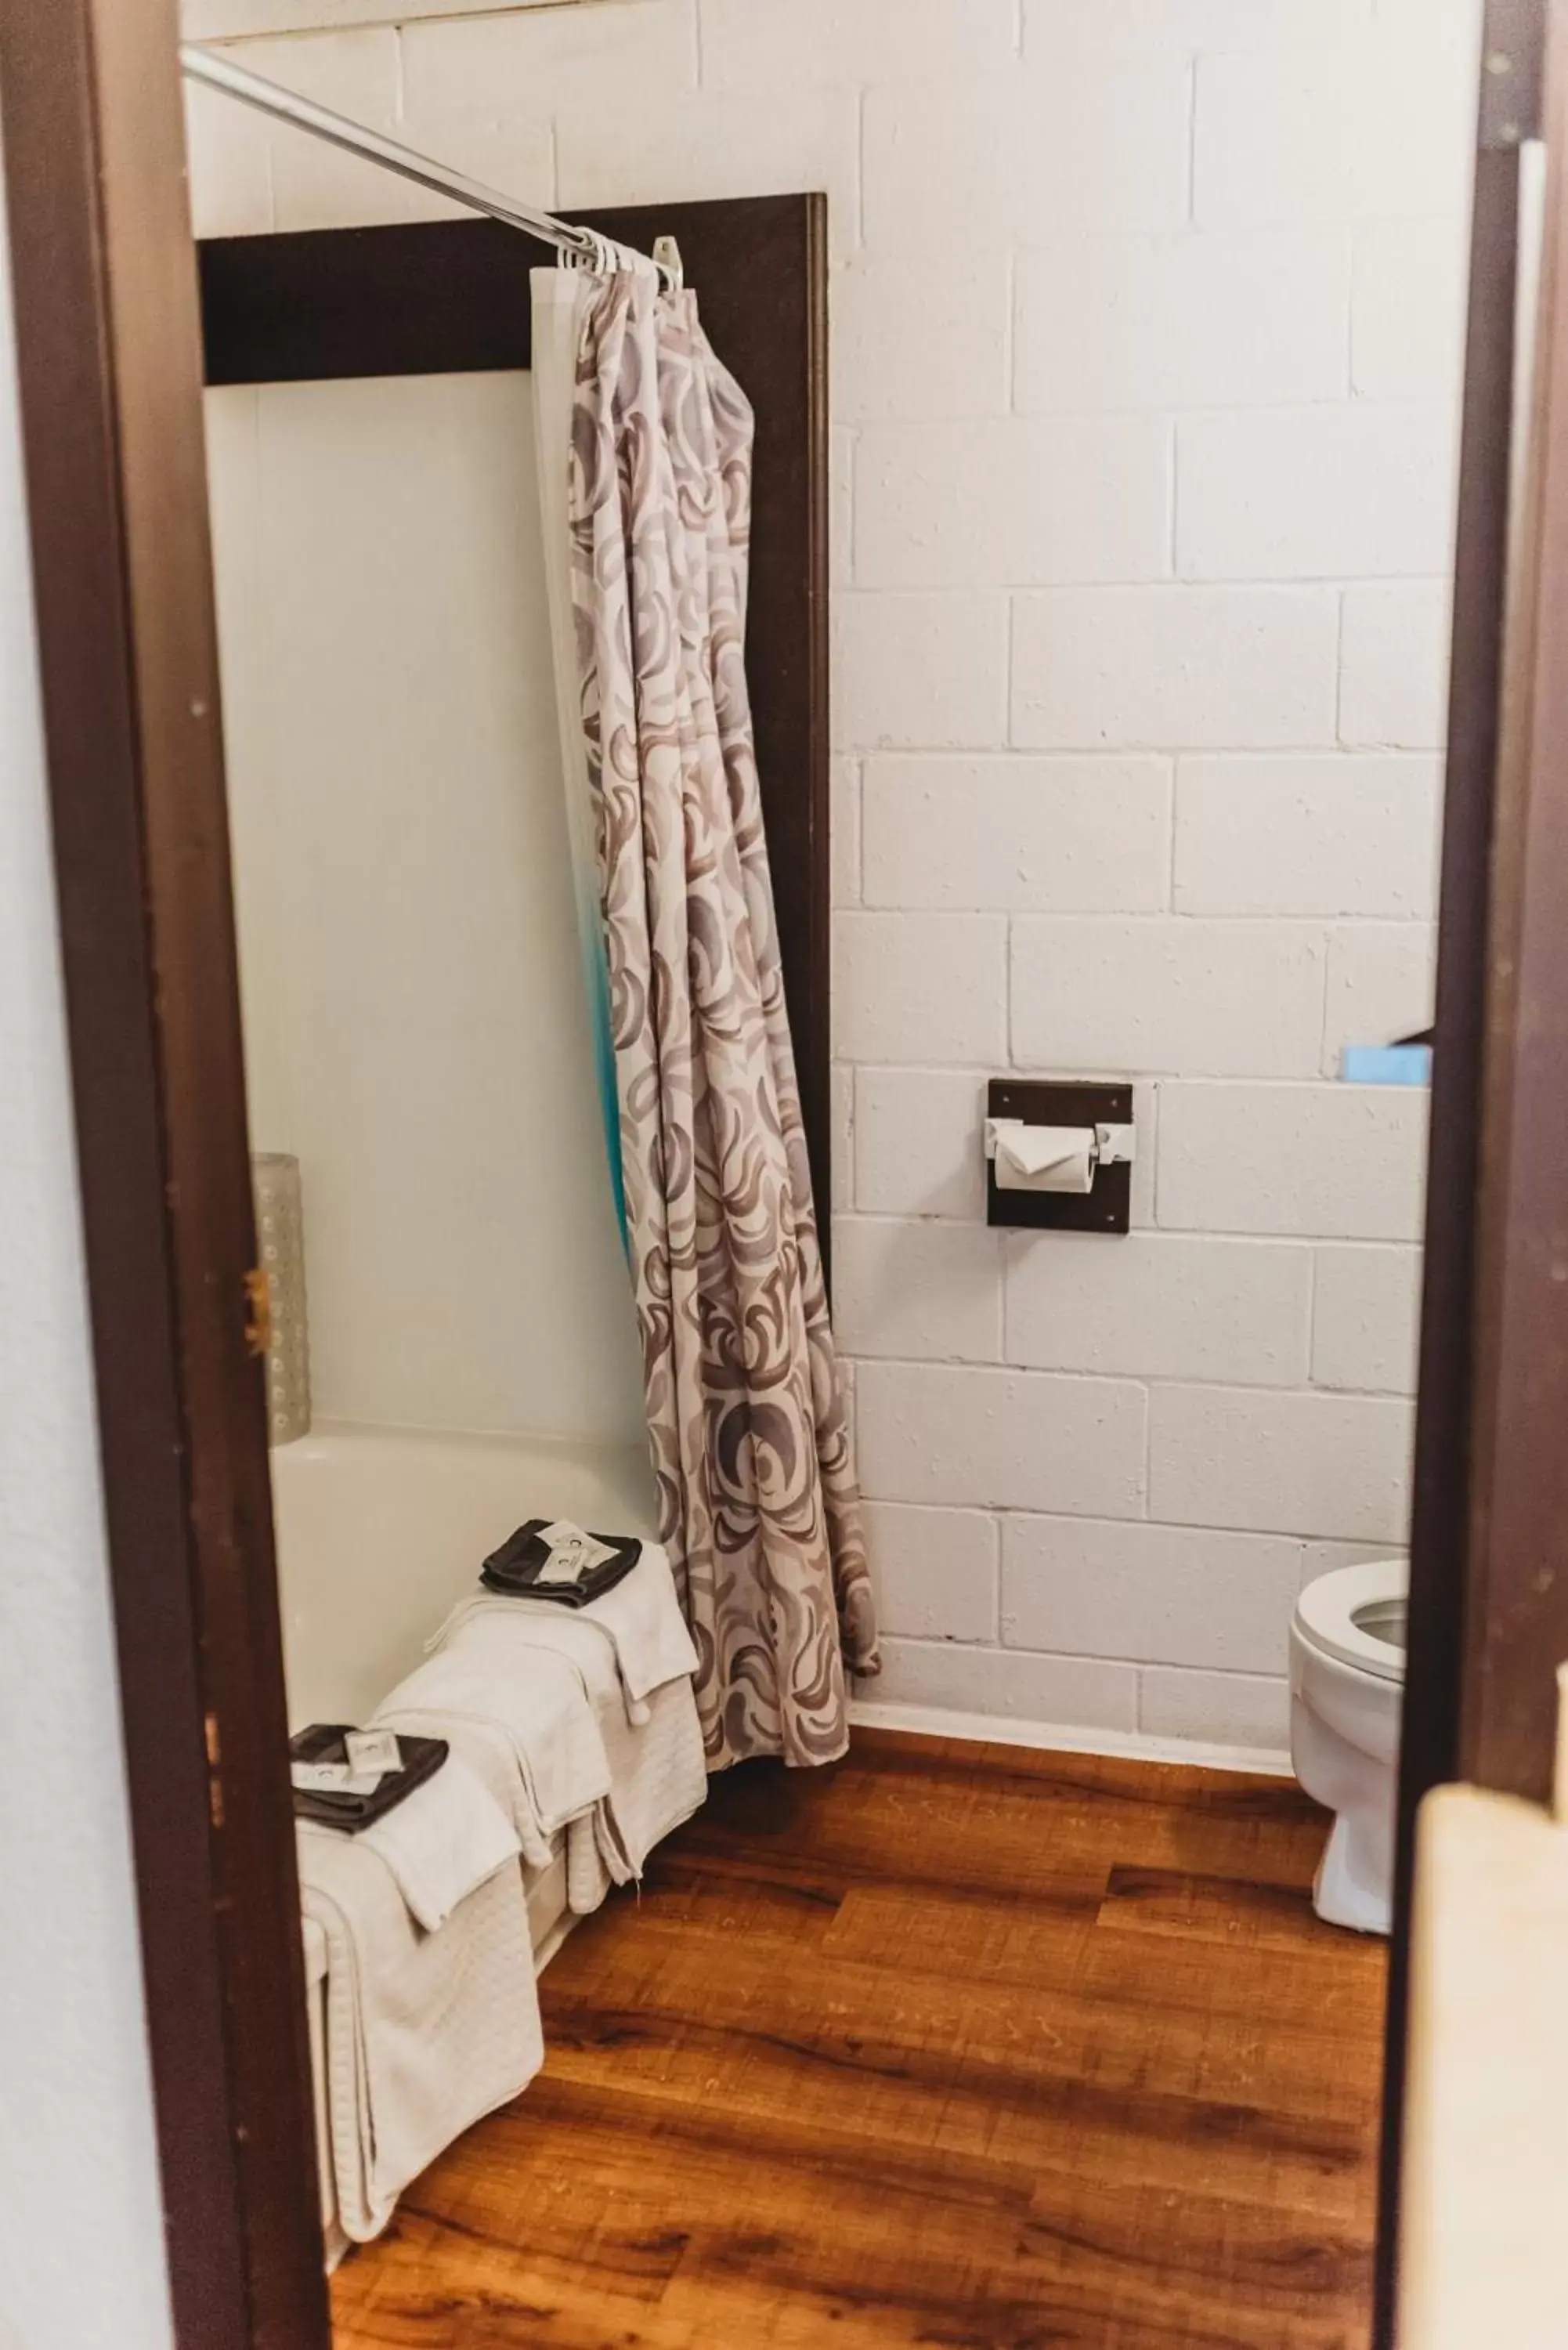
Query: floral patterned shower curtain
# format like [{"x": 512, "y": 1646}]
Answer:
[{"x": 746, "y": 1408}]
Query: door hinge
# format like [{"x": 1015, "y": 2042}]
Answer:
[
  {"x": 214, "y": 1778},
  {"x": 258, "y": 1311}
]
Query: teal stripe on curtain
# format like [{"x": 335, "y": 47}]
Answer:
[{"x": 596, "y": 987}]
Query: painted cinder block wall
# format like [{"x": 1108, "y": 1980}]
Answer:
[{"x": 1147, "y": 354}]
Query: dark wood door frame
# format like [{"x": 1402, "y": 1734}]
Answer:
[
  {"x": 1486, "y": 1627},
  {"x": 110, "y": 358},
  {"x": 111, "y": 367}
]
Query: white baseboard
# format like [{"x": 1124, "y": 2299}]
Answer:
[{"x": 1050, "y": 1737}]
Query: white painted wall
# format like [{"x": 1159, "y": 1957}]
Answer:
[
  {"x": 416, "y": 1029},
  {"x": 81, "y": 2257},
  {"x": 1146, "y": 321},
  {"x": 233, "y": 20}
]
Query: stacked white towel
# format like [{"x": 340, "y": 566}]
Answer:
[
  {"x": 442, "y": 1842},
  {"x": 425, "y": 2032},
  {"x": 579, "y": 1722},
  {"x": 640, "y": 1620},
  {"x": 534, "y": 1707},
  {"x": 632, "y": 1767},
  {"x": 657, "y": 1773}
]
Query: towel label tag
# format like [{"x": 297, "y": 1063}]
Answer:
[
  {"x": 333, "y": 1779},
  {"x": 573, "y": 1552},
  {"x": 373, "y": 1750}
]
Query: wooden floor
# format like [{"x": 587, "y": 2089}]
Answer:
[{"x": 957, "y": 2045}]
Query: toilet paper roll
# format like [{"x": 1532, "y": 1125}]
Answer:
[{"x": 1045, "y": 1158}]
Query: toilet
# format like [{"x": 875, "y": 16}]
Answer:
[{"x": 1348, "y": 1680}]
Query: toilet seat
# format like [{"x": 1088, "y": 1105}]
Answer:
[{"x": 1326, "y": 1611}]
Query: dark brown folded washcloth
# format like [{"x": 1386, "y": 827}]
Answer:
[{"x": 323, "y": 1743}]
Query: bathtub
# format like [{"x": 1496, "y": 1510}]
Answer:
[{"x": 381, "y": 1530}]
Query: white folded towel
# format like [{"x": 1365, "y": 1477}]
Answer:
[
  {"x": 641, "y": 1618},
  {"x": 657, "y": 1771},
  {"x": 660, "y": 1775},
  {"x": 533, "y": 1700},
  {"x": 425, "y": 2033},
  {"x": 442, "y": 1841}
]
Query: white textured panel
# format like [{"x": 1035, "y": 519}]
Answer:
[
  {"x": 315, "y": 186},
  {"x": 1071, "y": 835},
  {"x": 1353, "y": 833},
  {"x": 926, "y": 670},
  {"x": 1170, "y": 668},
  {"x": 228, "y": 154},
  {"x": 1408, "y": 319},
  {"x": 1379, "y": 128},
  {"x": 1366, "y": 1313},
  {"x": 1359, "y": 487},
  {"x": 515, "y": 150},
  {"x": 1182, "y": 321},
  {"x": 886, "y": 361},
  {"x": 1319, "y": 1558},
  {"x": 1091, "y": 144},
  {"x": 935, "y": 1572},
  {"x": 1381, "y": 984},
  {"x": 921, "y": 987},
  {"x": 931, "y": 1292},
  {"x": 1164, "y": 1595},
  {"x": 1006, "y": 1683},
  {"x": 1327, "y": 1161},
  {"x": 1186, "y": 24},
  {"x": 1393, "y": 674},
  {"x": 748, "y": 47},
  {"x": 534, "y": 63},
  {"x": 1158, "y": 994},
  {"x": 615, "y": 149},
  {"x": 1006, "y": 1439},
  {"x": 1308, "y": 1464},
  {"x": 1160, "y": 1306},
  {"x": 1020, "y": 500},
  {"x": 843, "y": 1087},
  {"x": 845, "y": 817},
  {"x": 400, "y": 855},
  {"x": 228, "y": 20},
  {"x": 917, "y": 1143},
  {"x": 1221, "y": 1709}
]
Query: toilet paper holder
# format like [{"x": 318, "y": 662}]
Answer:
[
  {"x": 1100, "y": 1113},
  {"x": 1111, "y": 1145}
]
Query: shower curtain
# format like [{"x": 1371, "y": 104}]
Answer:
[{"x": 757, "y": 1498}]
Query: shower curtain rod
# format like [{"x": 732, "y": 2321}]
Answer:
[{"x": 252, "y": 90}]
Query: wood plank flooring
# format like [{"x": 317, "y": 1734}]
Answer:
[{"x": 955, "y": 2046}]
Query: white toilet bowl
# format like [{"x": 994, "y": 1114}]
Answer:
[{"x": 1348, "y": 1680}]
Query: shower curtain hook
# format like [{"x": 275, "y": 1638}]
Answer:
[{"x": 666, "y": 257}]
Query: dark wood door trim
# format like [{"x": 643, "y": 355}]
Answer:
[
  {"x": 1517, "y": 1586},
  {"x": 446, "y": 297},
  {"x": 1445, "y": 1632},
  {"x": 109, "y": 364}
]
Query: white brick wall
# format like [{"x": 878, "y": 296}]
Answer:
[
  {"x": 1146, "y": 357},
  {"x": 1174, "y": 668}
]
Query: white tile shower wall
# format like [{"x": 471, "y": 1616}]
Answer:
[{"x": 1145, "y": 365}]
